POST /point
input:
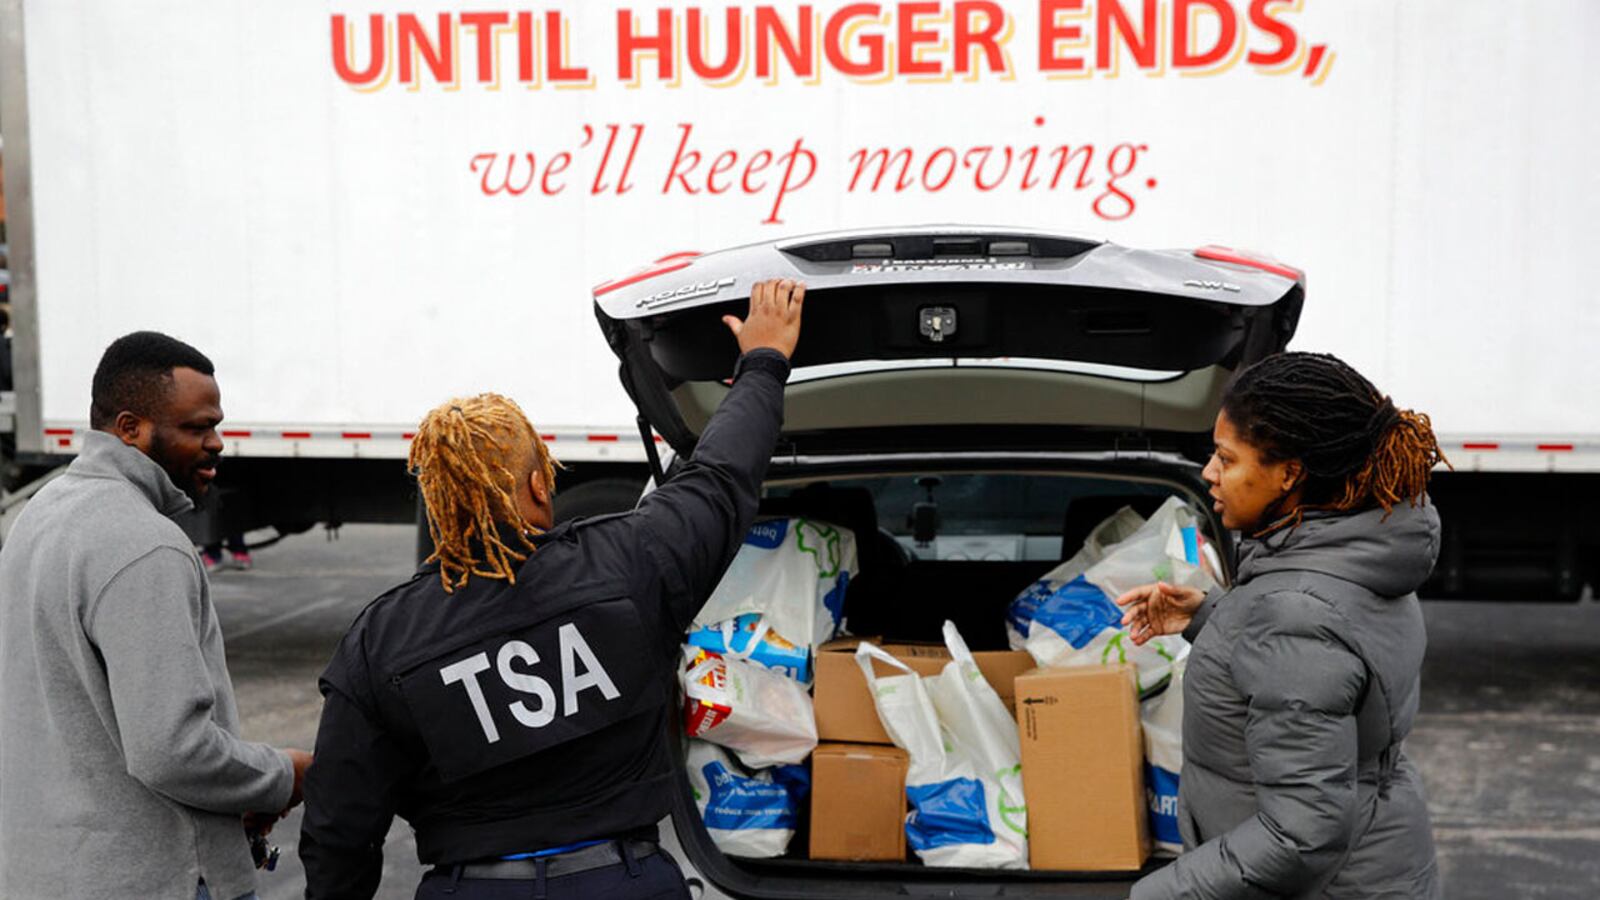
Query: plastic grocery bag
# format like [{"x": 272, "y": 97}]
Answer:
[
  {"x": 956, "y": 819},
  {"x": 794, "y": 573},
  {"x": 1079, "y": 623},
  {"x": 1166, "y": 548},
  {"x": 1020, "y": 615},
  {"x": 764, "y": 717},
  {"x": 749, "y": 637},
  {"x": 1162, "y": 718},
  {"x": 973, "y": 714},
  {"x": 752, "y": 814}
]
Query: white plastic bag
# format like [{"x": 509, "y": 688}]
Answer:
[
  {"x": 973, "y": 714},
  {"x": 1020, "y": 614},
  {"x": 1166, "y": 548},
  {"x": 1162, "y": 718},
  {"x": 1078, "y": 622},
  {"x": 764, "y": 717},
  {"x": 794, "y": 572},
  {"x": 751, "y": 814},
  {"x": 955, "y": 819},
  {"x": 1080, "y": 626}
]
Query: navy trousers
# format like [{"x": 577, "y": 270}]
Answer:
[{"x": 654, "y": 877}]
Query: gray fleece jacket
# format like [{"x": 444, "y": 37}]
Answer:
[
  {"x": 1300, "y": 689},
  {"x": 121, "y": 771}
]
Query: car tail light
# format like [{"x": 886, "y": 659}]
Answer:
[
  {"x": 1249, "y": 258},
  {"x": 672, "y": 262}
]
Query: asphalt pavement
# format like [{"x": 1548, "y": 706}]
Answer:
[{"x": 1508, "y": 739}]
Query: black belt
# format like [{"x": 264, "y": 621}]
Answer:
[{"x": 570, "y": 863}]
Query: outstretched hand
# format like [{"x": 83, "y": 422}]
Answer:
[
  {"x": 1153, "y": 610},
  {"x": 774, "y": 319}
]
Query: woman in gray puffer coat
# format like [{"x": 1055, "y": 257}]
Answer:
[{"x": 1304, "y": 676}]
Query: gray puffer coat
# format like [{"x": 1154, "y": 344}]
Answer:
[{"x": 1302, "y": 684}]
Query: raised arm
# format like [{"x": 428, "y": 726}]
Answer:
[{"x": 694, "y": 524}]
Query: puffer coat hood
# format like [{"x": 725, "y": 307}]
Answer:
[
  {"x": 1301, "y": 687},
  {"x": 1390, "y": 554}
]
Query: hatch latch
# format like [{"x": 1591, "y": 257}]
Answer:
[{"x": 938, "y": 323}]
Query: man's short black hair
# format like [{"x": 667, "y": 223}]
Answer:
[{"x": 135, "y": 374}]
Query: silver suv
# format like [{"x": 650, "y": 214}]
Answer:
[{"x": 972, "y": 402}]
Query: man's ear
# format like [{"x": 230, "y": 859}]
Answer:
[{"x": 132, "y": 430}]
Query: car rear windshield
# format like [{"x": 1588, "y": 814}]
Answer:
[
  {"x": 987, "y": 516},
  {"x": 959, "y": 545}
]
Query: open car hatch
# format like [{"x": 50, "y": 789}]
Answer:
[{"x": 1027, "y": 336}]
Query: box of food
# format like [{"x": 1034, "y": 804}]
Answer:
[
  {"x": 844, "y": 707},
  {"x": 858, "y": 802},
  {"x": 1083, "y": 768}
]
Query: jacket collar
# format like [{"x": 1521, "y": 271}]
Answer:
[
  {"x": 104, "y": 456},
  {"x": 1389, "y": 553},
  {"x": 508, "y": 536}
]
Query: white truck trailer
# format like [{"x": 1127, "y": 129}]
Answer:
[{"x": 361, "y": 208}]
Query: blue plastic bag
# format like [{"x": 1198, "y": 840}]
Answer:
[{"x": 750, "y": 814}]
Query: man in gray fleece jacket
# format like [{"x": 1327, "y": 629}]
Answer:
[{"x": 121, "y": 771}]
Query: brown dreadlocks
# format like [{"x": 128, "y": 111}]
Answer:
[
  {"x": 469, "y": 457},
  {"x": 1358, "y": 449}
]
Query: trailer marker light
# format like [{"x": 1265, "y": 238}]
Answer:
[
  {"x": 236, "y": 434},
  {"x": 56, "y": 431},
  {"x": 1482, "y": 446},
  {"x": 297, "y": 435},
  {"x": 1555, "y": 448},
  {"x": 603, "y": 438}
]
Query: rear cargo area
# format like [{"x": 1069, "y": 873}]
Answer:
[{"x": 931, "y": 548}]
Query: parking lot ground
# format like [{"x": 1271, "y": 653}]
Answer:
[{"x": 1508, "y": 739}]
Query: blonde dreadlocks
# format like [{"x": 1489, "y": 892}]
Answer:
[
  {"x": 469, "y": 457},
  {"x": 1359, "y": 451}
]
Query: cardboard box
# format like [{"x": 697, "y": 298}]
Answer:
[
  {"x": 858, "y": 802},
  {"x": 843, "y": 704},
  {"x": 1083, "y": 768}
]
